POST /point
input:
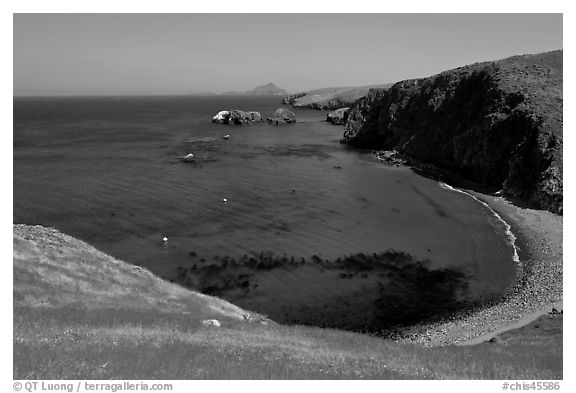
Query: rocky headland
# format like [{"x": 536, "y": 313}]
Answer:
[
  {"x": 496, "y": 123},
  {"x": 338, "y": 117},
  {"x": 330, "y": 98}
]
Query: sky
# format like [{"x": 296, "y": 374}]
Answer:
[{"x": 141, "y": 54}]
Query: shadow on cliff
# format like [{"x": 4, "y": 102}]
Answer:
[{"x": 455, "y": 180}]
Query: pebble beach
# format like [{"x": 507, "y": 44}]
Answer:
[{"x": 537, "y": 291}]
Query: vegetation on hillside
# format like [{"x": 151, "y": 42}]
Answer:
[{"x": 329, "y": 98}]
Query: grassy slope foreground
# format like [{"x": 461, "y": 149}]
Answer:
[{"x": 81, "y": 314}]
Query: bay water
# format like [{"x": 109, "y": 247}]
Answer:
[{"x": 108, "y": 170}]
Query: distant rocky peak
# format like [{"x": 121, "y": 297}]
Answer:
[{"x": 269, "y": 89}]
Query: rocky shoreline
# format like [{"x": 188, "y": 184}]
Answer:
[{"x": 538, "y": 289}]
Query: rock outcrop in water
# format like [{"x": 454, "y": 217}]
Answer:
[
  {"x": 241, "y": 117},
  {"x": 497, "y": 123},
  {"x": 221, "y": 117},
  {"x": 282, "y": 116},
  {"x": 337, "y": 117},
  {"x": 237, "y": 117}
]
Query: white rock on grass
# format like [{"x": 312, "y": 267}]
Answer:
[{"x": 211, "y": 322}]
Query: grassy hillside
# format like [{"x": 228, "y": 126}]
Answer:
[
  {"x": 329, "y": 98},
  {"x": 81, "y": 314}
]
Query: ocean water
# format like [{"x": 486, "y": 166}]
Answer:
[{"x": 107, "y": 170}]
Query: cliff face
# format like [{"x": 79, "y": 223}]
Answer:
[{"x": 497, "y": 123}]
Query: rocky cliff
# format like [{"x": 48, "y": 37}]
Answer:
[{"x": 497, "y": 123}]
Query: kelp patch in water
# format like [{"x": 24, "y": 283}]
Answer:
[
  {"x": 305, "y": 150},
  {"x": 374, "y": 293}
]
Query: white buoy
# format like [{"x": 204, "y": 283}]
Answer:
[
  {"x": 224, "y": 200},
  {"x": 227, "y": 136},
  {"x": 165, "y": 239}
]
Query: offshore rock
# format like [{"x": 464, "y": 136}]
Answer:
[
  {"x": 496, "y": 123},
  {"x": 221, "y": 117},
  {"x": 241, "y": 117},
  {"x": 282, "y": 116},
  {"x": 237, "y": 117},
  {"x": 337, "y": 117}
]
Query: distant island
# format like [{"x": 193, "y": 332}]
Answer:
[{"x": 269, "y": 89}]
